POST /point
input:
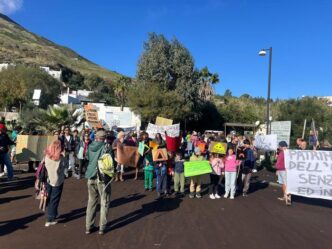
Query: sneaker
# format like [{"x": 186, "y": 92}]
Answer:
[
  {"x": 101, "y": 232},
  {"x": 217, "y": 196},
  {"x": 226, "y": 196},
  {"x": 50, "y": 223},
  {"x": 232, "y": 197},
  {"x": 2, "y": 174},
  {"x": 244, "y": 194},
  {"x": 198, "y": 195},
  {"x": 254, "y": 171},
  {"x": 212, "y": 196},
  {"x": 191, "y": 195}
]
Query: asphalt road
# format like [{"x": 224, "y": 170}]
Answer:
[{"x": 138, "y": 220}]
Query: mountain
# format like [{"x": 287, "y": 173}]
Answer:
[{"x": 19, "y": 46}]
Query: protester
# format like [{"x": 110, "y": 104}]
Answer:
[
  {"x": 231, "y": 169},
  {"x": 161, "y": 178},
  {"x": 325, "y": 145},
  {"x": 5, "y": 143},
  {"x": 248, "y": 166},
  {"x": 97, "y": 187},
  {"x": 55, "y": 165},
  {"x": 195, "y": 181},
  {"x": 160, "y": 141},
  {"x": 217, "y": 166},
  {"x": 313, "y": 140},
  {"x": 120, "y": 141},
  {"x": 299, "y": 140},
  {"x": 303, "y": 145},
  {"x": 281, "y": 172},
  {"x": 82, "y": 155},
  {"x": 69, "y": 147},
  {"x": 170, "y": 171},
  {"x": 179, "y": 178},
  {"x": 148, "y": 173}
]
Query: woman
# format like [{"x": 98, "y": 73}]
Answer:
[
  {"x": 55, "y": 165},
  {"x": 160, "y": 141},
  {"x": 81, "y": 155}
]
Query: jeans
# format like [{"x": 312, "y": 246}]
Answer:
[
  {"x": 230, "y": 183},
  {"x": 54, "y": 196},
  {"x": 214, "y": 181},
  {"x": 97, "y": 190},
  {"x": 179, "y": 180},
  {"x": 161, "y": 180},
  {"x": 4, "y": 158},
  {"x": 246, "y": 182}
]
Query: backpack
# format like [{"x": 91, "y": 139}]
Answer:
[
  {"x": 105, "y": 167},
  {"x": 41, "y": 172}
]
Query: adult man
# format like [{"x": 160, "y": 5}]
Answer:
[
  {"x": 5, "y": 142},
  {"x": 97, "y": 188},
  {"x": 69, "y": 147}
]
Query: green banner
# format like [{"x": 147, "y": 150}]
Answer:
[{"x": 197, "y": 168}]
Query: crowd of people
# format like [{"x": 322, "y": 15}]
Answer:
[{"x": 77, "y": 155}]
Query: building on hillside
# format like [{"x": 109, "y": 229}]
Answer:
[
  {"x": 56, "y": 74},
  {"x": 75, "y": 97}
]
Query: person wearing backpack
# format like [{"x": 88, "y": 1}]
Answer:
[
  {"x": 98, "y": 189},
  {"x": 55, "y": 166}
]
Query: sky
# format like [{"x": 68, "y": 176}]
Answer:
[{"x": 224, "y": 35}]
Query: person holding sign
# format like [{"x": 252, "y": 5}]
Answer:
[
  {"x": 217, "y": 165},
  {"x": 248, "y": 166},
  {"x": 195, "y": 181},
  {"x": 281, "y": 172},
  {"x": 231, "y": 168}
]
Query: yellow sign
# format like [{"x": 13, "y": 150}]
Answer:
[
  {"x": 31, "y": 148},
  {"x": 218, "y": 148},
  {"x": 153, "y": 145},
  {"x": 163, "y": 121},
  {"x": 159, "y": 155}
]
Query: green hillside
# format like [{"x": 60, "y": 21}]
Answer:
[{"x": 18, "y": 45}]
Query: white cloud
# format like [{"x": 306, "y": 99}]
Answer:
[{"x": 10, "y": 6}]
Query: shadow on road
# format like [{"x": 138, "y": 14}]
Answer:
[
  {"x": 312, "y": 201},
  {"x": 9, "y": 199},
  {"x": 163, "y": 205},
  {"x": 19, "y": 184},
  {"x": 10, "y": 226},
  {"x": 125, "y": 200}
]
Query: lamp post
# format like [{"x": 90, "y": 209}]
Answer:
[{"x": 262, "y": 52}]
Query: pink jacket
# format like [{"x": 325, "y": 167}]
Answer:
[
  {"x": 231, "y": 163},
  {"x": 217, "y": 166}
]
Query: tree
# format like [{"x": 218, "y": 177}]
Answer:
[
  {"x": 92, "y": 81},
  {"x": 207, "y": 80},
  {"x": 121, "y": 90},
  {"x": 17, "y": 85}
]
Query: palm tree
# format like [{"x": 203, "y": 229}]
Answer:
[
  {"x": 207, "y": 80},
  {"x": 121, "y": 90}
]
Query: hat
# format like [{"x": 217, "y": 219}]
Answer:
[
  {"x": 101, "y": 134},
  {"x": 283, "y": 144}
]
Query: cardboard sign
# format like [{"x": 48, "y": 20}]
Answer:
[
  {"x": 127, "y": 155},
  {"x": 91, "y": 117},
  {"x": 31, "y": 148},
  {"x": 141, "y": 147},
  {"x": 159, "y": 155},
  {"x": 196, "y": 168},
  {"x": 218, "y": 148},
  {"x": 173, "y": 143},
  {"x": 153, "y": 145},
  {"x": 309, "y": 173},
  {"x": 201, "y": 146},
  {"x": 282, "y": 129},
  {"x": 266, "y": 142},
  {"x": 172, "y": 130},
  {"x": 163, "y": 121}
]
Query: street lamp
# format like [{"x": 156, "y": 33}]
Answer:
[{"x": 263, "y": 52}]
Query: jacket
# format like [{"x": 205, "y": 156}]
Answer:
[{"x": 95, "y": 151}]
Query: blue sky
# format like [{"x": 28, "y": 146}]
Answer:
[{"x": 224, "y": 35}]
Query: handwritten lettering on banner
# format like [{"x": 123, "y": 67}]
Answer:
[
  {"x": 172, "y": 130},
  {"x": 309, "y": 173},
  {"x": 266, "y": 142}
]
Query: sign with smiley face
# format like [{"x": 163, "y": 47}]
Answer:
[{"x": 218, "y": 148}]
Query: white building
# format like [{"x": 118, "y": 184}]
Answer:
[
  {"x": 54, "y": 73},
  {"x": 329, "y": 100},
  {"x": 5, "y": 66},
  {"x": 74, "y": 97}
]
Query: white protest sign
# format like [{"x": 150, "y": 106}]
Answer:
[
  {"x": 266, "y": 142},
  {"x": 309, "y": 173},
  {"x": 172, "y": 130},
  {"x": 282, "y": 129}
]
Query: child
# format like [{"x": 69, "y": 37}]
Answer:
[
  {"x": 231, "y": 166},
  {"x": 170, "y": 171},
  {"x": 148, "y": 173},
  {"x": 195, "y": 181},
  {"x": 217, "y": 166},
  {"x": 248, "y": 166},
  {"x": 161, "y": 177},
  {"x": 179, "y": 178}
]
